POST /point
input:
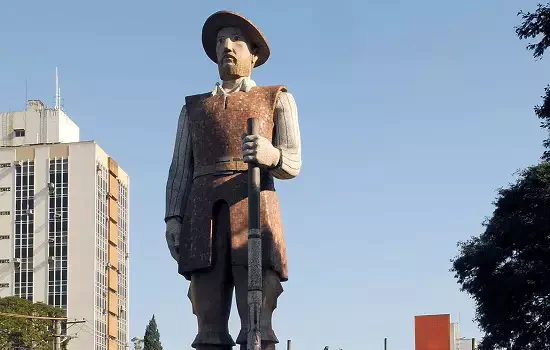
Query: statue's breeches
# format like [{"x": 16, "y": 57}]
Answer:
[
  {"x": 211, "y": 293},
  {"x": 197, "y": 241}
]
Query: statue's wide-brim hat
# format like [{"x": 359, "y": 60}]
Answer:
[{"x": 224, "y": 19}]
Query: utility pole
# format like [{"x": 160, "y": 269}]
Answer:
[
  {"x": 66, "y": 338},
  {"x": 56, "y": 323},
  {"x": 57, "y": 326}
]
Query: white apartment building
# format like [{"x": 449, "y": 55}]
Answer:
[
  {"x": 460, "y": 343},
  {"x": 468, "y": 344},
  {"x": 64, "y": 233},
  {"x": 455, "y": 336}
]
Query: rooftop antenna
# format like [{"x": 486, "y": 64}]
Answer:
[{"x": 57, "y": 91}]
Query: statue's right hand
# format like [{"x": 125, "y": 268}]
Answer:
[{"x": 173, "y": 230}]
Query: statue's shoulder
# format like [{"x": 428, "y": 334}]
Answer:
[
  {"x": 272, "y": 92},
  {"x": 192, "y": 99},
  {"x": 273, "y": 88}
]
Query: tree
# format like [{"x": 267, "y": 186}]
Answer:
[
  {"x": 25, "y": 333},
  {"x": 151, "y": 340},
  {"x": 537, "y": 25},
  {"x": 138, "y": 343},
  {"x": 507, "y": 268}
]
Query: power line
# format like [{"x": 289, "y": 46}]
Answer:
[
  {"x": 42, "y": 318},
  {"x": 34, "y": 317},
  {"x": 75, "y": 322},
  {"x": 58, "y": 337}
]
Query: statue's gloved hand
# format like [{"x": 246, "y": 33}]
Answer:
[
  {"x": 173, "y": 230},
  {"x": 258, "y": 149}
]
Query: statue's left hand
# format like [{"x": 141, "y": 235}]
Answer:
[{"x": 258, "y": 149}]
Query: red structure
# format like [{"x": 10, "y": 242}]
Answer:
[{"x": 432, "y": 332}]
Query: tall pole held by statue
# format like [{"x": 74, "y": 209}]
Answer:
[{"x": 254, "y": 249}]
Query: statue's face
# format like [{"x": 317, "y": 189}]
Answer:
[{"x": 235, "y": 54}]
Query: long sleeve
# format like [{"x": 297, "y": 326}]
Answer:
[
  {"x": 286, "y": 137},
  {"x": 180, "y": 175}
]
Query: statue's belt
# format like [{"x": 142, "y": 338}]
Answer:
[{"x": 221, "y": 165}]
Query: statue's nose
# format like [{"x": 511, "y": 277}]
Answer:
[{"x": 227, "y": 45}]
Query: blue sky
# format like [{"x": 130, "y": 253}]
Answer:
[{"x": 412, "y": 114}]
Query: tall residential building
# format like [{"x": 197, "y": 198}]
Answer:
[{"x": 64, "y": 233}]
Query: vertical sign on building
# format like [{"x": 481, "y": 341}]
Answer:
[{"x": 432, "y": 332}]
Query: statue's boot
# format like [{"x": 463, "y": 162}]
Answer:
[
  {"x": 213, "y": 332},
  {"x": 271, "y": 290},
  {"x": 264, "y": 346}
]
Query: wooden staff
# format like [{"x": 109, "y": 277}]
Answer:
[{"x": 254, "y": 249}]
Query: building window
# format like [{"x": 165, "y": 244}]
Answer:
[
  {"x": 58, "y": 213},
  {"x": 19, "y": 132},
  {"x": 24, "y": 230},
  {"x": 123, "y": 265},
  {"x": 101, "y": 244}
]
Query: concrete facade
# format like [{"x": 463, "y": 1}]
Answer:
[
  {"x": 468, "y": 344},
  {"x": 436, "y": 332},
  {"x": 64, "y": 226},
  {"x": 37, "y": 125},
  {"x": 455, "y": 336},
  {"x": 432, "y": 332}
]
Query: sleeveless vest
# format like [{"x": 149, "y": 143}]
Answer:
[{"x": 217, "y": 124}]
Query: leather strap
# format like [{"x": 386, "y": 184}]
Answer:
[{"x": 225, "y": 164}]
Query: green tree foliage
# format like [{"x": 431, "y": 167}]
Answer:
[
  {"x": 151, "y": 341},
  {"x": 24, "y": 333},
  {"x": 536, "y": 25},
  {"x": 138, "y": 343},
  {"x": 507, "y": 268}
]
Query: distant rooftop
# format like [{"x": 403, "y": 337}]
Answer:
[{"x": 37, "y": 124}]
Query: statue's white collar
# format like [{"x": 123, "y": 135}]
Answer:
[{"x": 244, "y": 85}]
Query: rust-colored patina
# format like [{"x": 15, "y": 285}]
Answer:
[{"x": 217, "y": 124}]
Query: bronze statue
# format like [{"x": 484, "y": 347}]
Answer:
[{"x": 206, "y": 193}]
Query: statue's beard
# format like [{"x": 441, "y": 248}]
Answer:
[{"x": 235, "y": 71}]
